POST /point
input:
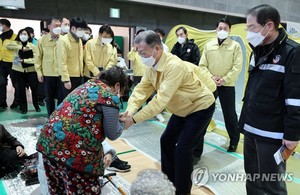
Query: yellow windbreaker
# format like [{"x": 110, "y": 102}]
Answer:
[
  {"x": 45, "y": 57},
  {"x": 69, "y": 57},
  {"x": 138, "y": 67},
  {"x": 98, "y": 55},
  {"x": 6, "y": 55},
  {"x": 15, "y": 46},
  {"x": 223, "y": 60},
  {"x": 178, "y": 89}
]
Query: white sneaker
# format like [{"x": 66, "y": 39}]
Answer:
[{"x": 160, "y": 118}]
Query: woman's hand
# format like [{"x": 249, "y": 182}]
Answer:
[
  {"x": 107, "y": 160},
  {"x": 20, "y": 151}
]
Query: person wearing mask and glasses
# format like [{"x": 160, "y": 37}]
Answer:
[
  {"x": 270, "y": 117},
  {"x": 46, "y": 64},
  {"x": 178, "y": 89},
  {"x": 70, "y": 56}
]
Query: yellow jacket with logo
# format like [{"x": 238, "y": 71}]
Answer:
[
  {"x": 223, "y": 60},
  {"x": 45, "y": 57},
  {"x": 15, "y": 46},
  {"x": 6, "y": 55},
  {"x": 98, "y": 55},
  {"x": 69, "y": 57},
  {"x": 138, "y": 67},
  {"x": 178, "y": 89}
]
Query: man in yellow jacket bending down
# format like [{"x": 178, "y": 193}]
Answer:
[
  {"x": 178, "y": 89},
  {"x": 222, "y": 58}
]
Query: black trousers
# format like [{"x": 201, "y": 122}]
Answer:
[
  {"x": 75, "y": 81},
  {"x": 29, "y": 78},
  {"x": 178, "y": 143},
  {"x": 227, "y": 100},
  {"x": 258, "y": 159},
  {"x": 5, "y": 70},
  {"x": 53, "y": 90}
]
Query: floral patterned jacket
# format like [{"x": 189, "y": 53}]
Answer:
[{"x": 73, "y": 135}]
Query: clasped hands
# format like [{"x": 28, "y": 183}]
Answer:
[
  {"x": 218, "y": 80},
  {"x": 126, "y": 117}
]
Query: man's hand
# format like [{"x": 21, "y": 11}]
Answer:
[
  {"x": 127, "y": 119},
  {"x": 68, "y": 85},
  {"x": 216, "y": 79},
  {"x": 20, "y": 151},
  {"x": 41, "y": 79},
  {"x": 290, "y": 144},
  {"x": 107, "y": 160},
  {"x": 221, "y": 82}
]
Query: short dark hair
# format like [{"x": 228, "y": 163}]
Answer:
[
  {"x": 224, "y": 20},
  {"x": 113, "y": 76},
  {"x": 29, "y": 29},
  {"x": 160, "y": 31},
  {"x": 45, "y": 29},
  {"x": 89, "y": 28},
  {"x": 5, "y": 22},
  {"x": 265, "y": 13},
  {"x": 106, "y": 28},
  {"x": 181, "y": 28},
  {"x": 19, "y": 33},
  {"x": 78, "y": 22},
  {"x": 50, "y": 20}
]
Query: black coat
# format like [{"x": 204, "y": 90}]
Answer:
[
  {"x": 189, "y": 52},
  {"x": 272, "y": 95},
  {"x": 7, "y": 140}
]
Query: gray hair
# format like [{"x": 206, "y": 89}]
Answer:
[
  {"x": 149, "y": 37},
  {"x": 152, "y": 182}
]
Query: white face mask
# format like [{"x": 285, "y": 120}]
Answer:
[
  {"x": 65, "y": 29},
  {"x": 56, "y": 30},
  {"x": 86, "y": 37},
  {"x": 181, "y": 40},
  {"x": 254, "y": 38},
  {"x": 106, "y": 40},
  {"x": 1, "y": 28},
  {"x": 23, "y": 38},
  {"x": 222, "y": 34},
  {"x": 79, "y": 33},
  {"x": 149, "y": 61}
]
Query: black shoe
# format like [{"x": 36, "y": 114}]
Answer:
[
  {"x": 121, "y": 161},
  {"x": 38, "y": 109},
  {"x": 118, "y": 166},
  {"x": 14, "y": 105},
  {"x": 231, "y": 148}
]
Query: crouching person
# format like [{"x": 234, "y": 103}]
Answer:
[{"x": 71, "y": 140}]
